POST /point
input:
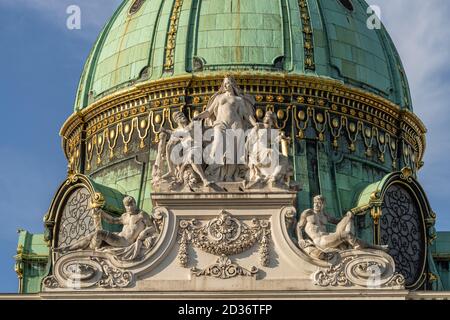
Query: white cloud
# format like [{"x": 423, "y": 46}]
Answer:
[{"x": 421, "y": 32}]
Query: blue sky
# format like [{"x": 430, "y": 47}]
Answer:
[{"x": 41, "y": 61}]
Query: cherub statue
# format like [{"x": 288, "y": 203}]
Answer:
[
  {"x": 314, "y": 239},
  {"x": 139, "y": 231},
  {"x": 185, "y": 165},
  {"x": 265, "y": 161}
]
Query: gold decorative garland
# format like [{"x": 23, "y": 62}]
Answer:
[
  {"x": 172, "y": 36},
  {"x": 326, "y": 105},
  {"x": 308, "y": 38}
]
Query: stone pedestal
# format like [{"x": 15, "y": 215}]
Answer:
[
  {"x": 248, "y": 234},
  {"x": 224, "y": 242}
]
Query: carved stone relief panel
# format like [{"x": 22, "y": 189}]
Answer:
[
  {"x": 80, "y": 271},
  {"x": 224, "y": 236}
]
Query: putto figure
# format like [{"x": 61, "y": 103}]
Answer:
[
  {"x": 139, "y": 230},
  {"x": 314, "y": 239},
  {"x": 185, "y": 157},
  {"x": 267, "y": 165}
]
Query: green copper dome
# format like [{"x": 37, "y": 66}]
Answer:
[{"x": 154, "y": 39}]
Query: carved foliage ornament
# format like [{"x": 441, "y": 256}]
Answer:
[
  {"x": 225, "y": 269},
  {"x": 113, "y": 277},
  {"x": 363, "y": 269},
  {"x": 50, "y": 282},
  {"x": 223, "y": 236},
  {"x": 78, "y": 272}
]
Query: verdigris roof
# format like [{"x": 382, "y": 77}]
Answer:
[{"x": 153, "y": 39}]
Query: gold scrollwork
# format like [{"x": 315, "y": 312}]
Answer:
[
  {"x": 336, "y": 124},
  {"x": 376, "y": 213},
  {"x": 98, "y": 200},
  {"x": 368, "y": 137},
  {"x": 355, "y": 129},
  {"x": 99, "y": 142},
  {"x": 127, "y": 128},
  {"x": 113, "y": 134},
  {"x": 382, "y": 139},
  {"x": 301, "y": 116},
  {"x": 319, "y": 123},
  {"x": 284, "y": 118},
  {"x": 172, "y": 35},
  {"x": 145, "y": 126},
  {"x": 406, "y": 173},
  {"x": 155, "y": 131},
  {"x": 308, "y": 38}
]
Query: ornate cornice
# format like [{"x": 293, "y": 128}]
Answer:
[{"x": 318, "y": 100}]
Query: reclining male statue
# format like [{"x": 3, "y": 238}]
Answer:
[
  {"x": 139, "y": 231},
  {"x": 314, "y": 239}
]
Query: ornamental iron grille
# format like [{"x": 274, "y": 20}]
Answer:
[
  {"x": 76, "y": 220},
  {"x": 401, "y": 228}
]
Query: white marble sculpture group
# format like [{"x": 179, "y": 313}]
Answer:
[
  {"x": 323, "y": 259},
  {"x": 242, "y": 150},
  {"x": 314, "y": 239}
]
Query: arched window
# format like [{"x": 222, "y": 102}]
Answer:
[
  {"x": 401, "y": 228},
  {"x": 76, "y": 219}
]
